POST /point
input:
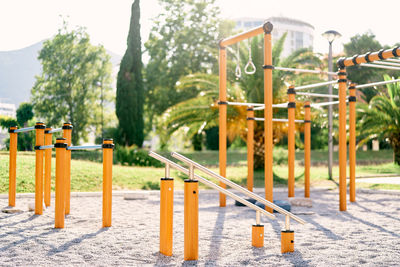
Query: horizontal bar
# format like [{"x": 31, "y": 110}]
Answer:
[
  {"x": 376, "y": 84},
  {"x": 388, "y": 63},
  {"x": 392, "y": 60},
  {"x": 277, "y": 120},
  {"x": 318, "y": 95},
  {"x": 388, "y": 53},
  {"x": 245, "y": 104},
  {"x": 379, "y": 66},
  {"x": 22, "y": 130},
  {"x": 280, "y": 105},
  {"x": 84, "y": 147},
  {"x": 236, "y": 186},
  {"x": 55, "y": 130},
  {"x": 306, "y": 71},
  {"x": 242, "y": 36},
  {"x": 211, "y": 184},
  {"x": 46, "y": 147},
  {"x": 326, "y": 104},
  {"x": 314, "y": 85}
]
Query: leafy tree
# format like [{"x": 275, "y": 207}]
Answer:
[
  {"x": 130, "y": 91},
  {"x": 182, "y": 42},
  {"x": 24, "y": 113},
  {"x": 380, "y": 119},
  {"x": 68, "y": 88}
]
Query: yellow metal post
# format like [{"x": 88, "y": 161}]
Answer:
[
  {"x": 352, "y": 141},
  {"x": 39, "y": 127},
  {"x": 12, "y": 167},
  {"x": 47, "y": 166},
  {"x": 307, "y": 148},
  {"x": 222, "y": 121},
  {"x": 342, "y": 139},
  {"x": 61, "y": 151},
  {"x": 191, "y": 224},
  {"x": 107, "y": 181},
  {"x": 166, "y": 213},
  {"x": 268, "y": 95},
  {"x": 67, "y": 134},
  {"x": 291, "y": 139},
  {"x": 250, "y": 148}
]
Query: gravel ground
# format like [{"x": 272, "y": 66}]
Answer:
[{"x": 367, "y": 234}]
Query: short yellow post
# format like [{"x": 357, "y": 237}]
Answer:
[
  {"x": 250, "y": 148},
  {"x": 12, "y": 167},
  {"x": 47, "y": 166},
  {"x": 287, "y": 241},
  {"x": 107, "y": 181},
  {"x": 61, "y": 152},
  {"x": 352, "y": 141},
  {"x": 223, "y": 105},
  {"x": 291, "y": 139},
  {"x": 342, "y": 139},
  {"x": 67, "y": 133},
  {"x": 257, "y": 233},
  {"x": 268, "y": 97},
  {"x": 39, "y": 127},
  {"x": 166, "y": 213},
  {"x": 307, "y": 148},
  {"x": 191, "y": 214}
]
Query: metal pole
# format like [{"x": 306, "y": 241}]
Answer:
[{"x": 330, "y": 110}]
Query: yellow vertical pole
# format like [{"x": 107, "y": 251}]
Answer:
[
  {"x": 250, "y": 148},
  {"x": 222, "y": 121},
  {"x": 61, "y": 152},
  {"x": 39, "y": 127},
  {"x": 191, "y": 224},
  {"x": 67, "y": 133},
  {"x": 166, "y": 213},
  {"x": 47, "y": 166},
  {"x": 307, "y": 147},
  {"x": 12, "y": 167},
  {"x": 291, "y": 139},
  {"x": 107, "y": 181},
  {"x": 268, "y": 95},
  {"x": 352, "y": 141},
  {"x": 342, "y": 139}
]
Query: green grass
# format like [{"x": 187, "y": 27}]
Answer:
[{"x": 87, "y": 175}]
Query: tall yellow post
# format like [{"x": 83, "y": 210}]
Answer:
[
  {"x": 107, "y": 181},
  {"x": 67, "y": 133},
  {"x": 268, "y": 95},
  {"x": 342, "y": 139},
  {"x": 191, "y": 224},
  {"x": 61, "y": 152},
  {"x": 250, "y": 148},
  {"x": 39, "y": 168},
  {"x": 12, "y": 167},
  {"x": 166, "y": 213},
  {"x": 291, "y": 139},
  {"x": 307, "y": 147},
  {"x": 47, "y": 166},
  {"x": 352, "y": 141},
  {"x": 222, "y": 121}
]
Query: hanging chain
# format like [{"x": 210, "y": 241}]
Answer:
[
  {"x": 250, "y": 68},
  {"x": 238, "y": 71}
]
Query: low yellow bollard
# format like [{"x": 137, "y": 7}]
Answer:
[
  {"x": 12, "y": 167},
  {"x": 287, "y": 241},
  {"x": 47, "y": 167},
  {"x": 291, "y": 139},
  {"x": 257, "y": 239},
  {"x": 250, "y": 148},
  {"x": 61, "y": 151},
  {"x": 191, "y": 215},
  {"x": 107, "y": 181},
  {"x": 166, "y": 215},
  {"x": 67, "y": 133},
  {"x": 307, "y": 148},
  {"x": 39, "y": 127}
]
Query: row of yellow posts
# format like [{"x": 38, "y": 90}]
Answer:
[{"x": 43, "y": 149}]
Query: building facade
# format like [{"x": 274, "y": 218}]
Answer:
[{"x": 8, "y": 110}]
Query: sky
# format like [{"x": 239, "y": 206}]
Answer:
[{"x": 25, "y": 22}]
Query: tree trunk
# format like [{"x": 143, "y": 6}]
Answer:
[{"x": 395, "y": 143}]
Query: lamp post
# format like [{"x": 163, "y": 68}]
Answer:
[{"x": 331, "y": 36}]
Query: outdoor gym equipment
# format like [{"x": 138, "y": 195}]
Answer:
[{"x": 191, "y": 193}]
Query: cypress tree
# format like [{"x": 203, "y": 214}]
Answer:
[{"x": 130, "y": 95}]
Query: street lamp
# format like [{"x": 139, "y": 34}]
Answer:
[{"x": 330, "y": 36}]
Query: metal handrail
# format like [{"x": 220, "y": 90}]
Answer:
[
  {"x": 314, "y": 85},
  {"x": 317, "y": 95},
  {"x": 84, "y": 147},
  {"x": 169, "y": 163},
  {"x": 46, "y": 147},
  {"x": 276, "y": 120},
  {"x": 237, "y": 187},
  {"x": 22, "y": 130},
  {"x": 55, "y": 130},
  {"x": 376, "y": 83}
]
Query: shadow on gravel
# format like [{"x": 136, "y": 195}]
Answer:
[
  {"x": 74, "y": 241},
  {"x": 329, "y": 234},
  {"x": 31, "y": 218},
  {"x": 377, "y": 212},
  {"x": 215, "y": 244}
]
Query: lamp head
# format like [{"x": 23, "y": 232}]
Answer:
[{"x": 331, "y": 35}]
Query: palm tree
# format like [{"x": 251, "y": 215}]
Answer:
[{"x": 380, "y": 119}]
